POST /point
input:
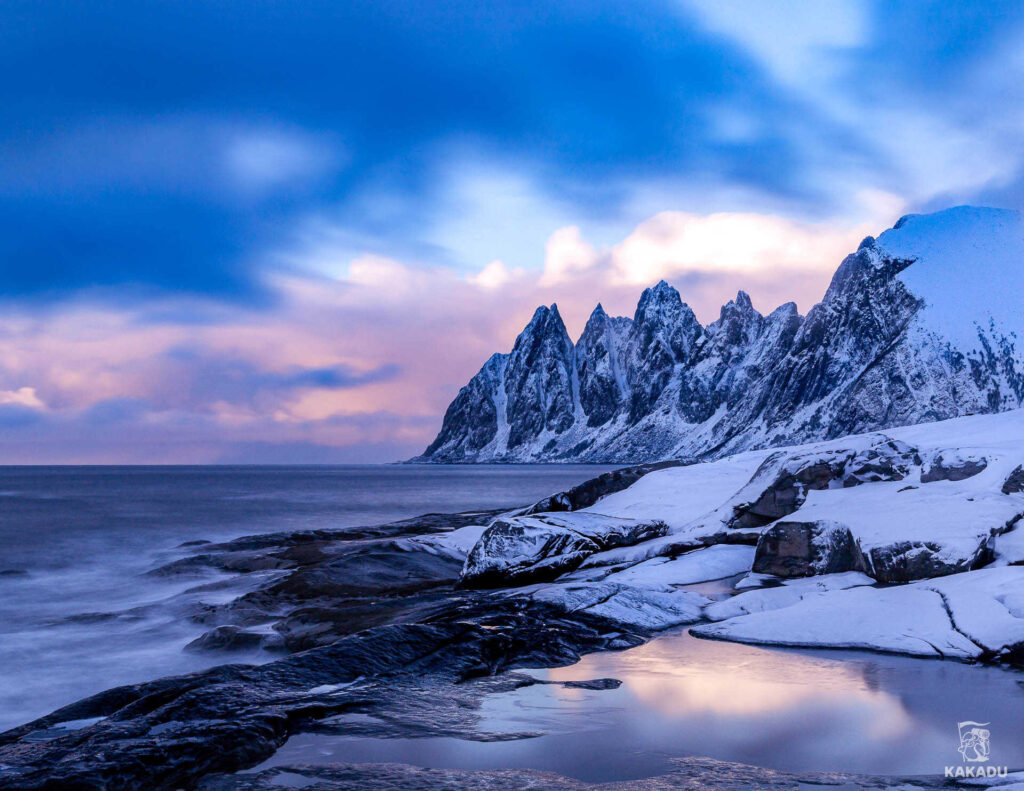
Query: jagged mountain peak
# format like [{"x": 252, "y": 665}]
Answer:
[
  {"x": 544, "y": 313},
  {"x": 661, "y": 313},
  {"x": 922, "y": 323},
  {"x": 740, "y": 308},
  {"x": 786, "y": 309},
  {"x": 546, "y": 322},
  {"x": 600, "y": 321},
  {"x": 658, "y": 298}
]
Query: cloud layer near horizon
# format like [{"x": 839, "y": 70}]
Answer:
[{"x": 291, "y": 232}]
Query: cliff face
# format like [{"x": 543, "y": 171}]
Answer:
[{"x": 919, "y": 325}]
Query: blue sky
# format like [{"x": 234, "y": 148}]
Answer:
[{"x": 290, "y": 231}]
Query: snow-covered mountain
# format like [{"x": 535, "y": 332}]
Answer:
[{"x": 921, "y": 324}]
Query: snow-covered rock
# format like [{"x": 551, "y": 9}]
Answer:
[
  {"x": 454, "y": 544},
  {"x": 858, "y": 503},
  {"x": 1014, "y": 483},
  {"x": 906, "y": 620},
  {"x": 781, "y": 483},
  {"x": 627, "y": 606},
  {"x": 907, "y": 532},
  {"x": 523, "y": 549},
  {"x": 987, "y": 606},
  {"x": 975, "y": 615},
  {"x": 918, "y": 325},
  {"x": 786, "y": 594},
  {"x": 700, "y": 565},
  {"x": 532, "y": 547}
]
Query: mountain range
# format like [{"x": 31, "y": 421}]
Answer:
[{"x": 920, "y": 324}]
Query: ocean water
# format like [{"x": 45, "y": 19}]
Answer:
[{"x": 79, "y": 614}]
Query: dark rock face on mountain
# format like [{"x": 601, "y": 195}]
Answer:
[
  {"x": 539, "y": 382},
  {"x": 916, "y": 326},
  {"x": 601, "y": 373}
]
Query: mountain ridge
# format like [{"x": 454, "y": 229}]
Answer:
[{"x": 889, "y": 344}]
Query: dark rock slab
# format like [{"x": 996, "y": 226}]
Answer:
[
  {"x": 416, "y": 678},
  {"x": 299, "y": 548},
  {"x": 597, "y": 683},
  {"x": 226, "y": 638}
]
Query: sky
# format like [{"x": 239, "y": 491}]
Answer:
[{"x": 287, "y": 232}]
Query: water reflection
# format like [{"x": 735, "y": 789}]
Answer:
[
  {"x": 801, "y": 710},
  {"x": 792, "y": 710}
]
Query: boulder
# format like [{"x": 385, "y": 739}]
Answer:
[
  {"x": 783, "y": 482},
  {"x": 1015, "y": 483},
  {"x": 953, "y": 466},
  {"x": 780, "y": 485},
  {"x": 802, "y": 549},
  {"x": 522, "y": 550},
  {"x": 905, "y": 561},
  {"x": 890, "y": 460}
]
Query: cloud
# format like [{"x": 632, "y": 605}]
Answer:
[
  {"x": 167, "y": 164},
  {"x": 189, "y": 143},
  {"x": 677, "y": 243},
  {"x": 929, "y": 91},
  {"x": 266, "y": 159},
  {"x": 193, "y": 375},
  {"x": 131, "y": 432},
  {"x": 793, "y": 37},
  {"x": 23, "y": 396},
  {"x": 16, "y": 416},
  {"x": 567, "y": 256},
  {"x": 494, "y": 276}
]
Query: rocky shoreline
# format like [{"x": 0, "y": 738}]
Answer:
[
  {"x": 883, "y": 542},
  {"x": 369, "y": 621}
]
